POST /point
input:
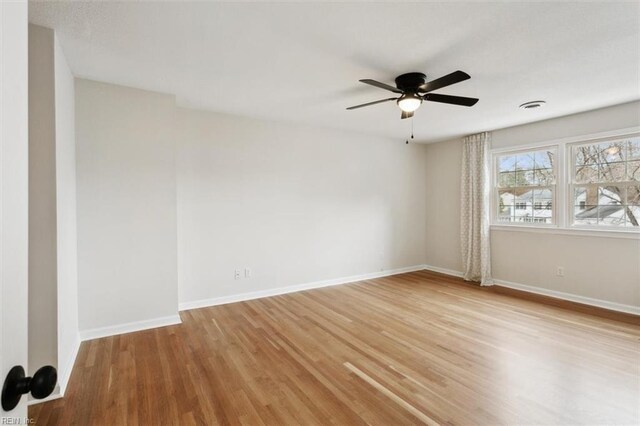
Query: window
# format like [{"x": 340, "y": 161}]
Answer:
[
  {"x": 605, "y": 183},
  {"x": 583, "y": 184},
  {"x": 526, "y": 187}
]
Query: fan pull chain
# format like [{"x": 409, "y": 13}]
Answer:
[{"x": 407, "y": 141}]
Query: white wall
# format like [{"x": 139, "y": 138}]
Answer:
[
  {"x": 596, "y": 121},
  {"x": 600, "y": 268},
  {"x": 294, "y": 204},
  {"x": 606, "y": 269},
  {"x": 43, "y": 273},
  {"x": 67, "y": 254},
  {"x": 126, "y": 200},
  {"x": 443, "y": 168},
  {"x": 53, "y": 287}
]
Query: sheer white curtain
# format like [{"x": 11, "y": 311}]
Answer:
[{"x": 475, "y": 236}]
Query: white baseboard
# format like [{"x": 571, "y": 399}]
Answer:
[
  {"x": 613, "y": 306},
  {"x": 443, "y": 271},
  {"x": 292, "y": 289},
  {"x": 130, "y": 327}
]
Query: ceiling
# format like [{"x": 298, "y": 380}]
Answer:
[{"x": 301, "y": 62}]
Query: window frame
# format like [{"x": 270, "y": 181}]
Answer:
[
  {"x": 563, "y": 196},
  {"x": 495, "y": 188},
  {"x": 571, "y": 184}
]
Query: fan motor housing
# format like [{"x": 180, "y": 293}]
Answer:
[{"x": 410, "y": 81}]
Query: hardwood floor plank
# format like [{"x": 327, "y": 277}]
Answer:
[
  {"x": 391, "y": 395},
  {"x": 416, "y": 348}
]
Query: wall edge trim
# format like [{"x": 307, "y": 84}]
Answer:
[{"x": 68, "y": 368}]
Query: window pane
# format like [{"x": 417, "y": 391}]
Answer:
[
  {"x": 507, "y": 163},
  {"x": 506, "y": 202},
  {"x": 587, "y": 195},
  {"x": 583, "y": 208},
  {"x": 525, "y": 178},
  {"x": 544, "y": 214},
  {"x": 524, "y": 202},
  {"x": 587, "y": 173},
  {"x": 506, "y": 179},
  {"x": 585, "y": 201},
  {"x": 611, "y": 151},
  {"x": 543, "y": 195},
  {"x": 616, "y": 218},
  {"x": 525, "y": 161},
  {"x": 586, "y": 216},
  {"x": 612, "y": 172},
  {"x": 544, "y": 177},
  {"x": 632, "y": 205},
  {"x": 633, "y": 170},
  {"x": 607, "y": 174},
  {"x": 516, "y": 173},
  {"x": 613, "y": 161},
  {"x": 607, "y": 205},
  {"x": 533, "y": 168},
  {"x": 543, "y": 206},
  {"x": 608, "y": 195},
  {"x": 633, "y": 195},
  {"x": 585, "y": 155},
  {"x": 633, "y": 216},
  {"x": 634, "y": 149},
  {"x": 543, "y": 159}
]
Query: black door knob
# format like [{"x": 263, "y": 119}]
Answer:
[{"x": 16, "y": 384}]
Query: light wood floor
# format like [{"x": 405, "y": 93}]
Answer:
[{"x": 417, "y": 348}]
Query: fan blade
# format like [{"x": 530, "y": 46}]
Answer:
[
  {"x": 381, "y": 85},
  {"x": 448, "y": 99},
  {"x": 372, "y": 103},
  {"x": 406, "y": 114},
  {"x": 447, "y": 80}
]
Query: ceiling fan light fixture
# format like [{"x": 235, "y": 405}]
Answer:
[
  {"x": 414, "y": 88},
  {"x": 409, "y": 102}
]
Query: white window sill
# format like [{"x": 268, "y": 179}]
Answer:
[{"x": 556, "y": 230}]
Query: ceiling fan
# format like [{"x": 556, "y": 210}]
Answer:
[{"x": 413, "y": 88}]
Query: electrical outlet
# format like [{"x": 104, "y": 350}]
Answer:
[
  {"x": 237, "y": 274},
  {"x": 560, "y": 271},
  {"x": 247, "y": 272}
]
